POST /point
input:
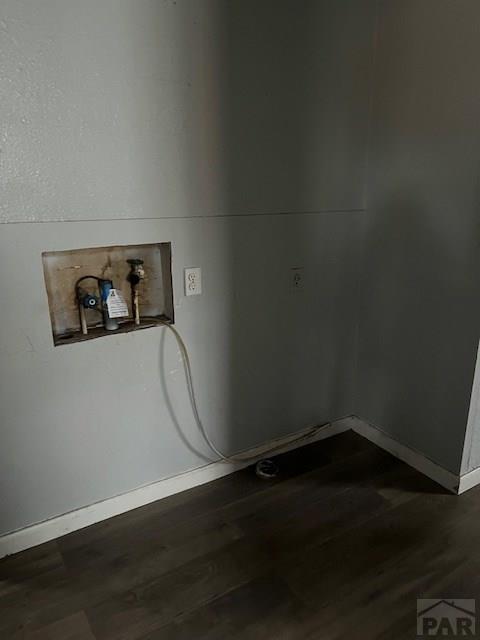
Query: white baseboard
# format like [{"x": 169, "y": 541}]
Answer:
[
  {"x": 469, "y": 480},
  {"x": 72, "y": 521},
  {"x": 410, "y": 456},
  {"x": 85, "y": 516}
]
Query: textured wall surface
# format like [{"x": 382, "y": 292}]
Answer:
[
  {"x": 136, "y": 121},
  {"x": 123, "y": 109},
  {"x": 420, "y": 311},
  {"x": 86, "y": 421}
]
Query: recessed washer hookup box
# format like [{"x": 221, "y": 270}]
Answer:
[{"x": 63, "y": 269}]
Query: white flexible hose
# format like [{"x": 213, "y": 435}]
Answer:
[{"x": 193, "y": 402}]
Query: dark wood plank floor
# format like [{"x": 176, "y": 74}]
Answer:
[{"x": 339, "y": 546}]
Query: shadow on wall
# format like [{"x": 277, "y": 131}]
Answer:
[
  {"x": 413, "y": 381},
  {"x": 266, "y": 141},
  {"x": 293, "y": 366}
]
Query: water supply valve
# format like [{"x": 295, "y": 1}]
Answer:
[{"x": 87, "y": 300}]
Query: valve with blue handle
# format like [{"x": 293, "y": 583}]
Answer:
[{"x": 86, "y": 300}]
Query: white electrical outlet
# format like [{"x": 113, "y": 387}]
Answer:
[
  {"x": 193, "y": 281},
  {"x": 297, "y": 278}
]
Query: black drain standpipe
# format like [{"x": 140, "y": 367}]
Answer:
[{"x": 137, "y": 273}]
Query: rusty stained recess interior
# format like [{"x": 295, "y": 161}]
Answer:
[{"x": 62, "y": 269}]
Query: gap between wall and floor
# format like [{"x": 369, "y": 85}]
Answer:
[{"x": 52, "y": 528}]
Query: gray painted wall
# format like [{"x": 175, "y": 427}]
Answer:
[
  {"x": 127, "y": 121},
  {"x": 420, "y": 310},
  {"x": 132, "y": 109}
]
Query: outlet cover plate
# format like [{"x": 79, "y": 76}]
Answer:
[
  {"x": 193, "y": 281},
  {"x": 297, "y": 278}
]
